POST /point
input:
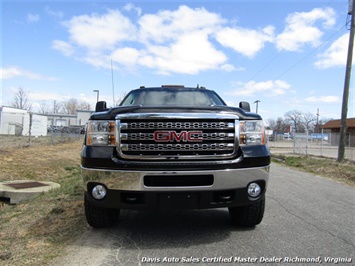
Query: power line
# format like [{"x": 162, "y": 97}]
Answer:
[
  {"x": 269, "y": 63},
  {"x": 282, "y": 50},
  {"x": 310, "y": 53}
]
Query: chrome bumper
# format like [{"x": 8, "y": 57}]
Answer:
[{"x": 134, "y": 180}]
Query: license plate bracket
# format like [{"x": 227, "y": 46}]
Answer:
[{"x": 168, "y": 201}]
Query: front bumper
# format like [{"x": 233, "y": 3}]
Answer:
[
  {"x": 148, "y": 189},
  {"x": 135, "y": 180}
]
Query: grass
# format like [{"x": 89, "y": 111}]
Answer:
[
  {"x": 326, "y": 167},
  {"x": 37, "y": 231}
]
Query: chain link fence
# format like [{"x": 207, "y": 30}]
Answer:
[{"x": 323, "y": 144}]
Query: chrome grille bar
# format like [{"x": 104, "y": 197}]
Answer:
[
  {"x": 176, "y": 125},
  {"x": 160, "y": 137}
]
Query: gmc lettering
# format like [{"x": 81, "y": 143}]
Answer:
[{"x": 171, "y": 136}]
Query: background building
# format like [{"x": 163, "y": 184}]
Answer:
[
  {"x": 333, "y": 128},
  {"x": 20, "y": 122}
]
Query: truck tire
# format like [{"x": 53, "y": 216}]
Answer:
[
  {"x": 99, "y": 217},
  {"x": 249, "y": 215}
]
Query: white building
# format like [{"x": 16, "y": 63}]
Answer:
[
  {"x": 82, "y": 116},
  {"x": 63, "y": 120},
  {"x": 15, "y": 121}
]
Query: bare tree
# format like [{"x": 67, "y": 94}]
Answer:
[
  {"x": 21, "y": 100},
  {"x": 70, "y": 106},
  {"x": 84, "y": 106},
  {"x": 299, "y": 121},
  {"x": 308, "y": 120},
  {"x": 281, "y": 125},
  {"x": 271, "y": 123},
  {"x": 44, "y": 108},
  {"x": 56, "y": 107},
  {"x": 295, "y": 117}
]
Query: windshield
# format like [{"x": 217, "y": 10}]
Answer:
[{"x": 172, "y": 97}]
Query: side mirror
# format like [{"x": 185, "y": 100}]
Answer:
[
  {"x": 245, "y": 106},
  {"x": 100, "y": 106}
]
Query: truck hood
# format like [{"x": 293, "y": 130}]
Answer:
[{"x": 111, "y": 113}]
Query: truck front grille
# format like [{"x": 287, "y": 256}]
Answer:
[{"x": 164, "y": 138}]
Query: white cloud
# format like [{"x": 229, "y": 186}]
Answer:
[
  {"x": 126, "y": 56},
  {"x": 100, "y": 32},
  {"x": 230, "y": 68},
  {"x": 268, "y": 88},
  {"x": 245, "y": 41},
  {"x": 48, "y": 96},
  {"x": 301, "y": 29},
  {"x": 32, "y": 18},
  {"x": 169, "y": 25},
  {"x": 335, "y": 55},
  {"x": 323, "y": 99},
  {"x": 188, "y": 55},
  {"x": 97, "y": 59},
  {"x": 168, "y": 41},
  {"x": 56, "y": 14},
  {"x": 64, "y": 47},
  {"x": 130, "y": 7},
  {"x": 178, "y": 41},
  {"x": 13, "y": 72}
]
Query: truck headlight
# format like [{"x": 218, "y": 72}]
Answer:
[
  {"x": 252, "y": 132},
  {"x": 100, "y": 133}
]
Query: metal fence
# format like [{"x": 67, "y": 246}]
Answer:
[{"x": 325, "y": 145}]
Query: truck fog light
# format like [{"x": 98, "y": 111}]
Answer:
[
  {"x": 254, "y": 190},
  {"x": 98, "y": 192}
]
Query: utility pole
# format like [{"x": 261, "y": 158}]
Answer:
[
  {"x": 344, "y": 109},
  {"x": 317, "y": 127},
  {"x": 257, "y": 105},
  {"x": 113, "y": 87}
]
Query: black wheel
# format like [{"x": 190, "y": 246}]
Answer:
[
  {"x": 99, "y": 217},
  {"x": 249, "y": 215}
]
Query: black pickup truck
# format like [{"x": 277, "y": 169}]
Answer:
[{"x": 173, "y": 147}]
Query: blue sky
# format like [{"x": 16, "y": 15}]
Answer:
[{"x": 289, "y": 55}]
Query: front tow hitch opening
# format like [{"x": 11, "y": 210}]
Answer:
[
  {"x": 224, "y": 196},
  {"x": 132, "y": 198}
]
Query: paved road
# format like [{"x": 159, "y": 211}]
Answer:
[{"x": 307, "y": 217}]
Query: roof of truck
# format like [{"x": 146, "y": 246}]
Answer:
[{"x": 174, "y": 87}]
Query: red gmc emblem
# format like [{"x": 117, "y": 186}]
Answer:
[{"x": 171, "y": 136}]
